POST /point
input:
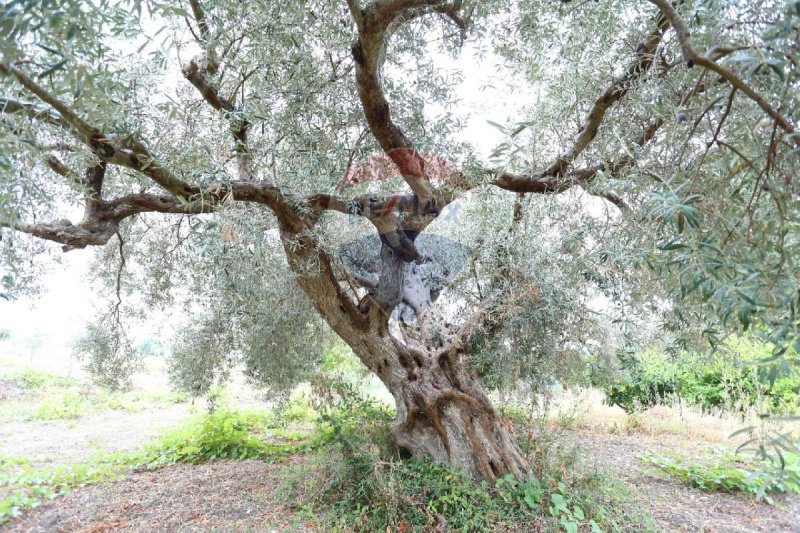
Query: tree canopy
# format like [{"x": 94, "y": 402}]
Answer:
[{"x": 287, "y": 171}]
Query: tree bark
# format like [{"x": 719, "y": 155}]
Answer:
[{"x": 443, "y": 412}]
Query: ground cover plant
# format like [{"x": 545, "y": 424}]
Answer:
[
  {"x": 221, "y": 435},
  {"x": 38, "y": 395},
  {"x": 473, "y": 213},
  {"x": 731, "y": 473}
]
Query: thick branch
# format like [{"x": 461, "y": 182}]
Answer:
[
  {"x": 374, "y": 24},
  {"x": 555, "y": 178},
  {"x": 200, "y": 18},
  {"x": 12, "y": 106},
  {"x": 197, "y": 72},
  {"x": 101, "y": 220},
  {"x": 107, "y": 148},
  {"x": 63, "y": 109},
  {"x": 376, "y": 208},
  {"x": 693, "y": 58}
]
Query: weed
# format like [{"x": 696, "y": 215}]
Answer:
[
  {"x": 53, "y": 397},
  {"x": 223, "y": 434},
  {"x": 729, "y": 473},
  {"x": 297, "y": 408},
  {"x": 359, "y": 481},
  {"x": 32, "y": 380},
  {"x": 26, "y": 487}
]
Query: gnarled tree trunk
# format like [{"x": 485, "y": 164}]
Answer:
[{"x": 443, "y": 411}]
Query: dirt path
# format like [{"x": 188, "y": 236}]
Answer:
[
  {"x": 72, "y": 441},
  {"x": 674, "y": 506}
]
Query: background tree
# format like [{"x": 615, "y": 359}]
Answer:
[{"x": 680, "y": 118}]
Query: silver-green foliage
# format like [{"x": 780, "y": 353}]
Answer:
[{"x": 708, "y": 247}]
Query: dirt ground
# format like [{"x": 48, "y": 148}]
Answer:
[
  {"x": 220, "y": 496},
  {"x": 674, "y": 506},
  {"x": 241, "y": 496},
  {"x": 74, "y": 440}
]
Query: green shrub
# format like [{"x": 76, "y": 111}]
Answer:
[
  {"x": 4, "y": 334},
  {"x": 643, "y": 388},
  {"x": 297, "y": 408},
  {"x": 359, "y": 481},
  {"x": 223, "y": 434},
  {"x": 340, "y": 358},
  {"x": 713, "y": 384},
  {"x": 69, "y": 405},
  {"x": 32, "y": 380}
]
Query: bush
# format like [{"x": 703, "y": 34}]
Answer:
[
  {"x": 223, "y": 434},
  {"x": 32, "y": 380},
  {"x": 4, "y": 334},
  {"x": 360, "y": 482},
  {"x": 643, "y": 388},
  {"x": 712, "y": 384}
]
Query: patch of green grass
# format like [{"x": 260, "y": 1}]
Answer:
[
  {"x": 33, "y": 380},
  {"x": 68, "y": 405},
  {"x": 225, "y": 434},
  {"x": 49, "y": 396},
  {"x": 730, "y": 473},
  {"x": 25, "y": 487}
]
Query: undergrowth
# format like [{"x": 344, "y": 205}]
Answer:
[
  {"x": 360, "y": 482},
  {"x": 22, "y": 486},
  {"x": 46, "y": 396},
  {"x": 224, "y": 434},
  {"x": 732, "y": 473},
  {"x": 357, "y": 480}
]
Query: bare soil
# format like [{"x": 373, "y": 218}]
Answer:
[
  {"x": 674, "y": 506},
  {"x": 242, "y": 496},
  {"x": 219, "y": 496},
  {"x": 74, "y": 440}
]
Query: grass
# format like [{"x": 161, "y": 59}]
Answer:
[
  {"x": 358, "y": 482},
  {"x": 25, "y": 487},
  {"x": 585, "y": 410},
  {"x": 225, "y": 434},
  {"x": 731, "y": 473},
  {"x": 353, "y": 479}
]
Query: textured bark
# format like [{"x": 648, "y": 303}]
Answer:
[{"x": 443, "y": 412}]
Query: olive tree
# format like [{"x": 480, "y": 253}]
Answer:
[{"x": 288, "y": 169}]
